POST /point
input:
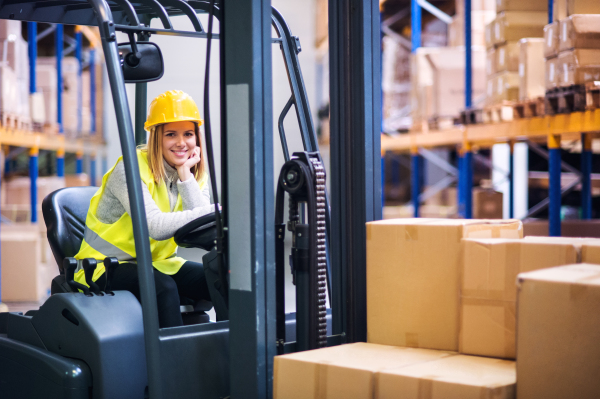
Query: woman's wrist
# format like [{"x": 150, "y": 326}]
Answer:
[{"x": 184, "y": 173}]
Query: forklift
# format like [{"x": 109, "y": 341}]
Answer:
[{"x": 93, "y": 342}]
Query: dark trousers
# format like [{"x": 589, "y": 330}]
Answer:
[{"x": 189, "y": 282}]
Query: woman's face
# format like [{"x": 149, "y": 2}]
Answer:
[{"x": 178, "y": 142}]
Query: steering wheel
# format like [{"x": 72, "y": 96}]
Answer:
[{"x": 199, "y": 233}]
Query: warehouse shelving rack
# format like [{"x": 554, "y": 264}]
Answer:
[
  {"x": 549, "y": 129},
  {"x": 92, "y": 145}
]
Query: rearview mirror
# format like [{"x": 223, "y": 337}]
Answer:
[{"x": 142, "y": 63}]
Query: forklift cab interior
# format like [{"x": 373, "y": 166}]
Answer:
[{"x": 74, "y": 342}]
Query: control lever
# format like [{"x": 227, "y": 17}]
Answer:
[
  {"x": 89, "y": 266},
  {"x": 69, "y": 266},
  {"x": 110, "y": 265}
]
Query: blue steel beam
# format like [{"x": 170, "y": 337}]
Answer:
[
  {"x": 586, "y": 172},
  {"x": 468, "y": 62},
  {"x": 79, "y": 57},
  {"x": 79, "y": 163},
  {"x": 467, "y": 177},
  {"x": 60, "y": 163},
  {"x": 415, "y": 181},
  {"x": 550, "y": 11},
  {"x": 58, "y": 42},
  {"x": 33, "y": 175},
  {"x": 93, "y": 170},
  {"x": 554, "y": 186},
  {"x": 511, "y": 180},
  {"x": 415, "y": 25},
  {"x": 92, "y": 65},
  {"x": 32, "y": 47},
  {"x": 459, "y": 187}
]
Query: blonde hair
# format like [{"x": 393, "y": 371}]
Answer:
[{"x": 155, "y": 154}]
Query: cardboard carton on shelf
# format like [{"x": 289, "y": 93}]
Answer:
[
  {"x": 531, "y": 68},
  {"x": 464, "y": 377},
  {"x": 559, "y": 10},
  {"x": 551, "y": 39},
  {"x": 490, "y": 62},
  {"x": 520, "y": 5},
  {"x": 551, "y": 73},
  {"x": 487, "y": 204},
  {"x": 413, "y": 269},
  {"x": 582, "y": 7},
  {"x": 491, "y": 90},
  {"x": 437, "y": 83},
  {"x": 489, "y": 290},
  {"x": 507, "y": 57},
  {"x": 515, "y": 25},
  {"x": 479, "y": 19},
  {"x": 507, "y": 86},
  {"x": 18, "y": 189},
  {"x": 562, "y": 358},
  {"x": 344, "y": 371},
  {"x": 476, "y": 5},
  {"x": 578, "y": 66},
  {"x": 489, "y": 34},
  {"x": 77, "y": 180},
  {"x": 10, "y": 27},
  {"x": 579, "y": 31}
]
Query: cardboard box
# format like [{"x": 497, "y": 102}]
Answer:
[
  {"x": 569, "y": 228},
  {"x": 413, "y": 269},
  {"x": 551, "y": 73},
  {"x": 437, "y": 82},
  {"x": 578, "y": 66},
  {"x": 590, "y": 253},
  {"x": 521, "y": 5},
  {"x": 515, "y": 25},
  {"x": 464, "y": 377},
  {"x": 551, "y": 39},
  {"x": 489, "y": 289},
  {"x": 582, "y": 7},
  {"x": 77, "y": 180},
  {"x": 559, "y": 8},
  {"x": 558, "y": 351},
  {"x": 531, "y": 68},
  {"x": 507, "y": 57},
  {"x": 487, "y": 204},
  {"x": 479, "y": 19},
  {"x": 489, "y": 34},
  {"x": 24, "y": 277},
  {"x": 344, "y": 371},
  {"x": 18, "y": 189},
  {"x": 490, "y": 62},
  {"x": 490, "y": 91},
  {"x": 476, "y": 5},
  {"x": 580, "y": 31},
  {"x": 507, "y": 86}
]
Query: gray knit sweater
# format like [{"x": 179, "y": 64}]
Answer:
[{"x": 161, "y": 225}]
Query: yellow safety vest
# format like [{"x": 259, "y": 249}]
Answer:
[{"x": 101, "y": 240}]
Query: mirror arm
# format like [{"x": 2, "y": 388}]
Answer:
[{"x": 133, "y": 58}]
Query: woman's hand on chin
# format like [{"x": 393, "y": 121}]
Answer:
[{"x": 184, "y": 170}]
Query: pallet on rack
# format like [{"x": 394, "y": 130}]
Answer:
[
  {"x": 529, "y": 108},
  {"x": 471, "y": 116},
  {"x": 441, "y": 122},
  {"x": 502, "y": 112},
  {"x": 564, "y": 100},
  {"x": 16, "y": 122}
]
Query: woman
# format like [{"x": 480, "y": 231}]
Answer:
[{"x": 175, "y": 191}]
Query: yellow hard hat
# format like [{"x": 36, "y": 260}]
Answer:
[{"x": 172, "y": 106}]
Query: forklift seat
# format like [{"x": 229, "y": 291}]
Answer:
[{"x": 65, "y": 211}]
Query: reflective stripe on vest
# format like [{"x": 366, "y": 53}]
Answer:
[{"x": 102, "y": 240}]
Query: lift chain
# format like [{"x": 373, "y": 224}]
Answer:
[{"x": 319, "y": 175}]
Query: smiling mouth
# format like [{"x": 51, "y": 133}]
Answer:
[{"x": 180, "y": 153}]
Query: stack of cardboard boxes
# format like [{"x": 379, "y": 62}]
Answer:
[
  {"x": 395, "y": 84},
  {"x": 442, "y": 299},
  {"x": 516, "y": 19},
  {"x": 572, "y": 44}
]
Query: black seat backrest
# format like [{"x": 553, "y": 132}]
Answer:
[{"x": 64, "y": 212}]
